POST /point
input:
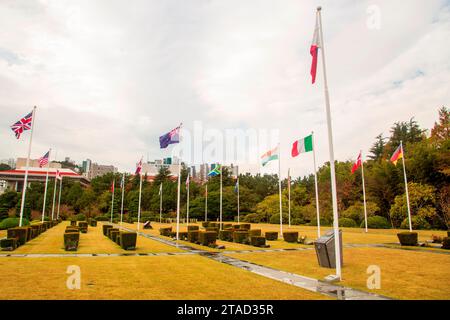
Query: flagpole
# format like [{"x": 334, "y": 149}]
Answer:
[
  {"x": 121, "y": 205},
  {"x": 160, "y": 203},
  {"x": 406, "y": 187},
  {"x": 289, "y": 197},
  {"x": 206, "y": 202},
  {"x": 279, "y": 190},
  {"x": 112, "y": 198},
  {"x": 315, "y": 183},
  {"x": 25, "y": 182},
  {"x": 54, "y": 197},
  {"x": 238, "y": 199},
  {"x": 337, "y": 241},
  {"x": 139, "y": 206},
  {"x": 59, "y": 197},
  {"x": 221, "y": 172},
  {"x": 46, "y": 183},
  {"x": 178, "y": 199},
  {"x": 187, "y": 204},
  {"x": 364, "y": 191}
]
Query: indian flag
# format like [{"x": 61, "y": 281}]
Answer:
[
  {"x": 269, "y": 156},
  {"x": 302, "y": 146}
]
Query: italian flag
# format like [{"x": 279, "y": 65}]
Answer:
[
  {"x": 269, "y": 156},
  {"x": 302, "y": 146}
]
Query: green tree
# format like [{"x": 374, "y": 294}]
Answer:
[{"x": 377, "y": 149}]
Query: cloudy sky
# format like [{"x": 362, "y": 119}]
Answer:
[{"x": 110, "y": 76}]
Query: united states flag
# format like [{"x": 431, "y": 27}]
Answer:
[
  {"x": 22, "y": 125},
  {"x": 44, "y": 160}
]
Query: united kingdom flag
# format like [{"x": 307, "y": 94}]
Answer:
[{"x": 22, "y": 125}]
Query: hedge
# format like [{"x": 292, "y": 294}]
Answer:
[
  {"x": 8, "y": 244},
  {"x": 109, "y": 232},
  {"x": 183, "y": 235},
  {"x": 105, "y": 229},
  {"x": 347, "y": 223},
  {"x": 114, "y": 234},
  {"x": 102, "y": 218},
  {"x": 290, "y": 236},
  {"x": 226, "y": 235},
  {"x": 205, "y": 224},
  {"x": 73, "y": 222},
  {"x": 20, "y": 233},
  {"x": 408, "y": 238},
  {"x": 207, "y": 238},
  {"x": 271, "y": 235},
  {"x": 240, "y": 236},
  {"x": 12, "y": 223},
  {"x": 323, "y": 222},
  {"x": 71, "y": 240},
  {"x": 83, "y": 226},
  {"x": 245, "y": 226},
  {"x": 193, "y": 236},
  {"x": 418, "y": 223},
  {"x": 376, "y": 222},
  {"x": 128, "y": 240},
  {"x": 254, "y": 233},
  {"x": 165, "y": 231},
  {"x": 192, "y": 228},
  {"x": 446, "y": 243},
  {"x": 258, "y": 241}
]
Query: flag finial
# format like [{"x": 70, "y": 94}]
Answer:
[{"x": 319, "y": 8}]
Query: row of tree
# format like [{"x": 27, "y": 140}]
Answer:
[{"x": 427, "y": 159}]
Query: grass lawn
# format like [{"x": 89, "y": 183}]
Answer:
[
  {"x": 93, "y": 241},
  {"x": 404, "y": 274},
  {"x": 156, "y": 277}
]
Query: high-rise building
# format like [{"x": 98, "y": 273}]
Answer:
[
  {"x": 204, "y": 170},
  {"x": 97, "y": 170},
  {"x": 234, "y": 170},
  {"x": 86, "y": 166},
  {"x": 193, "y": 172}
]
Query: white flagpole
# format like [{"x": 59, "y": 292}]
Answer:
[
  {"x": 46, "y": 183},
  {"x": 187, "y": 204},
  {"x": 364, "y": 191},
  {"x": 337, "y": 241},
  {"x": 238, "y": 204},
  {"x": 160, "y": 203},
  {"x": 25, "y": 181},
  {"x": 206, "y": 202},
  {"x": 178, "y": 199},
  {"x": 221, "y": 172},
  {"x": 139, "y": 206},
  {"x": 289, "y": 196},
  {"x": 121, "y": 205},
  {"x": 112, "y": 197},
  {"x": 54, "y": 197},
  {"x": 279, "y": 190},
  {"x": 59, "y": 197},
  {"x": 315, "y": 183},
  {"x": 406, "y": 187}
]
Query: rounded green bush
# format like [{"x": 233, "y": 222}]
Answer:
[
  {"x": 297, "y": 221},
  {"x": 323, "y": 222},
  {"x": 12, "y": 223},
  {"x": 271, "y": 235},
  {"x": 376, "y": 222},
  {"x": 418, "y": 223},
  {"x": 347, "y": 223},
  {"x": 446, "y": 243}
]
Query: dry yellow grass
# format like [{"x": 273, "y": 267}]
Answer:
[
  {"x": 404, "y": 274},
  {"x": 93, "y": 241},
  {"x": 157, "y": 277}
]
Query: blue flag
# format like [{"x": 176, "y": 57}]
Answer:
[{"x": 169, "y": 138}]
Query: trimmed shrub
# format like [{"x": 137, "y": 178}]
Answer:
[
  {"x": 166, "y": 231},
  {"x": 72, "y": 229},
  {"x": 80, "y": 217},
  {"x": 109, "y": 232},
  {"x": 71, "y": 240},
  {"x": 215, "y": 229},
  {"x": 105, "y": 229},
  {"x": 408, "y": 238},
  {"x": 347, "y": 223},
  {"x": 12, "y": 223},
  {"x": 182, "y": 235},
  {"x": 207, "y": 238},
  {"x": 271, "y": 235},
  {"x": 72, "y": 222},
  {"x": 193, "y": 236},
  {"x": 258, "y": 241},
  {"x": 376, "y": 222},
  {"x": 102, "y": 218},
  {"x": 205, "y": 224},
  {"x": 323, "y": 222},
  {"x": 226, "y": 235},
  {"x": 192, "y": 228},
  {"x": 254, "y": 233},
  {"x": 418, "y": 223},
  {"x": 227, "y": 225},
  {"x": 8, "y": 244},
  {"x": 93, "y": 223},
  {"x": 114, "y": 234},
  {"x": 240, "y": 236},
  {"x": 290, "y": 236},
  {"x": 245, "y": 226},
  {"x": 83, "y": 226},
  {"x": 446, "y": 243},
  {"x": 35, "y": 230},
  {"x": 436, "y": 239},
  {"x": 20, "y": 233},
  {"x": 297, "y": 221},
  {"x": 128, "y": 240}
]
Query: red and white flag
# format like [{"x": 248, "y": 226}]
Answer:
[
  {"x": 187, "y": 180},
  {"x": 138, "y": 167},
  {"x": 58, "y": 175},
  {"x": 357, "y": 164},
  {"x": 113, "y": 185},
  {"x": 314, "y": 51}
]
